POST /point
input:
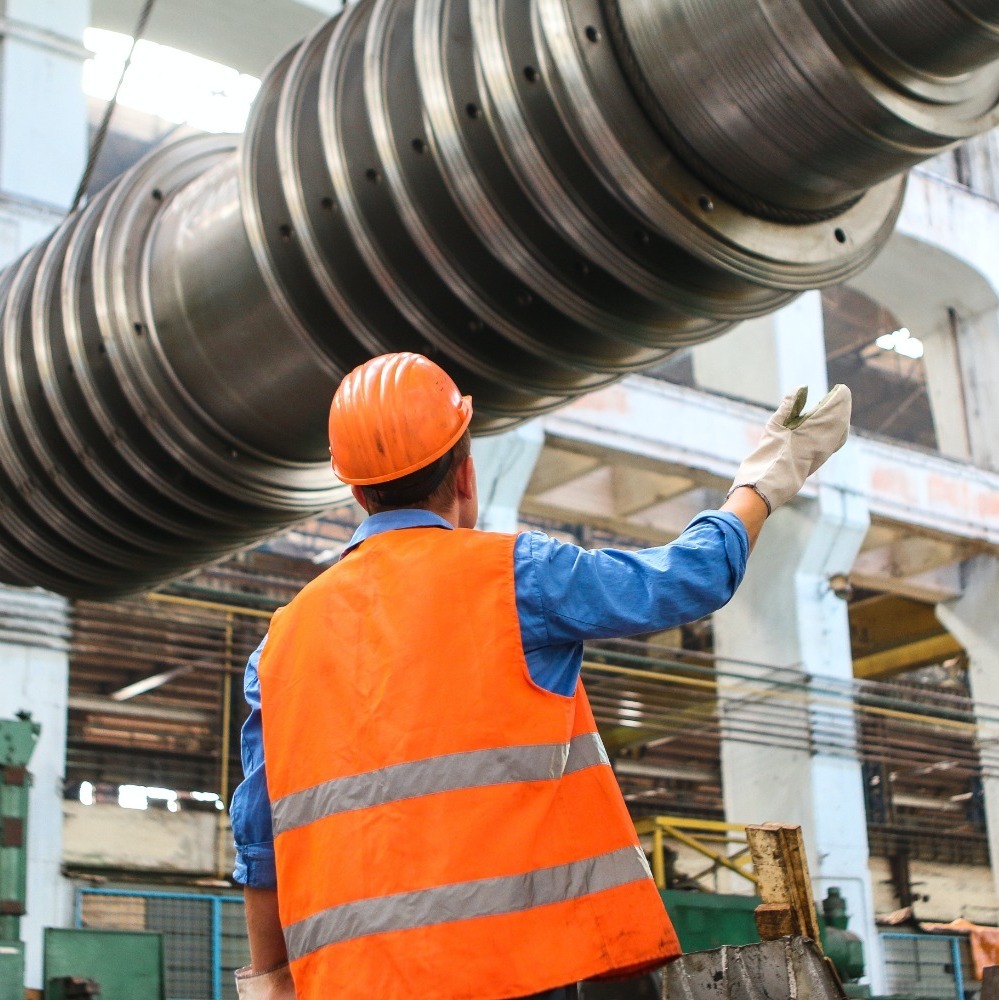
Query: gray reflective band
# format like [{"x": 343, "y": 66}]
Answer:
[
  {"x": 473, "y": 769},
  {"x": 465, "y": 900},
  {"x": 585, "y": 751}
]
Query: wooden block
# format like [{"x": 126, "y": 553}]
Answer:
[
  {"x": 778, "y": 854},
  {"x": 775, "y": 920}
]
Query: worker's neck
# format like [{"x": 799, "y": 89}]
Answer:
[{"x": 452, "y": 513}]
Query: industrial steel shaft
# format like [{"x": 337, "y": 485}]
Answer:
[{"x": 542, "y": 195}]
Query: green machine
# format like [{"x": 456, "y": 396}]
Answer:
[
  {"x": 705, "y": 921},
  {"x": 120, "y": 965},
  {"x": 17, "y": 742}
]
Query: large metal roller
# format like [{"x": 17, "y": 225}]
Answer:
[{"x": 542, "y": 195}]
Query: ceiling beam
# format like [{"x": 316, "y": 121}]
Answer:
[
  {"x": 246, "y": 35},
  {"x": 909, "y": 656},
  {"x": 104, "y": 706}
]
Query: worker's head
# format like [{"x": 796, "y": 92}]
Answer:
[{"x": 399, "y": 437}]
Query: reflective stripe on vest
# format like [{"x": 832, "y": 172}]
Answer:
[
  {"x": 465, "y": 900},
  {"x": 471, "y": 769}
]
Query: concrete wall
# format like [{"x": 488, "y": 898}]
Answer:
[
  {"x": 954, "y": 891},
  {"x": 148, "y": 840}
]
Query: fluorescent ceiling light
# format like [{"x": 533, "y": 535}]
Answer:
[{"x": 901, "y": 342}]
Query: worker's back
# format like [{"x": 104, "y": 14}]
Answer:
[{"x": 444, "y": 827}]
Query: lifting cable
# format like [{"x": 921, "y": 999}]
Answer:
[{"x": 101, "y": 134}]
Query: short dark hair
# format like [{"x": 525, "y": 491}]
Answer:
[{"x": 380, "y": 498}]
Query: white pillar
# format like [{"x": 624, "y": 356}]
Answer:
[
  {"x": 972, "y": 620},
  {"x": 787, "y": 614},
  {"x": 34, "y": 677},
  {"x": 961, "y": 358},
  {"x": 763, "y": 359},
  {"x": 504, "y": 464},
  {"x": 43, "y": 150},
  {"x": 43, "y": 117}
]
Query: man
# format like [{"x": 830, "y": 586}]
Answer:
[{"x": 446, "y": 823}]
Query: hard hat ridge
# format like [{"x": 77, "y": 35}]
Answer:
[{"x": 393, "y": 419}]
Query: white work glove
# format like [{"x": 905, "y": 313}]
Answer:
[
  {"x": 274, "y": 985},
  {"x": 794, "y": 445}
]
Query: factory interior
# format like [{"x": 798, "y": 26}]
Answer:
[{"x": 179, "y": 241}]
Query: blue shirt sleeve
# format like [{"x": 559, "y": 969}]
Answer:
[
  {"x": 250, "y": 812},
  {"x": 567, "y": 594}
]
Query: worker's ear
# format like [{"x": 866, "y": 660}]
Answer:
[
  {"x": 358, "y": 494},
  {"x": 464, "y": 478}
]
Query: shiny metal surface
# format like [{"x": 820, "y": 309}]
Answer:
[
  {"x": 541, "y": 197},
  {"x": 794, "y": 110}
]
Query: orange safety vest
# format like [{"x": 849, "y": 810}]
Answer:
[{"x": 444, "y": 828}]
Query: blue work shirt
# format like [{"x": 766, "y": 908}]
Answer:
[{"x": 565, "y": 595}]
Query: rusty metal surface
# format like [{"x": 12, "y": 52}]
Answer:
[{"x": 789, "y": 968}]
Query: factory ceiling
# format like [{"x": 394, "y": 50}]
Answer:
[{"x": 244, "y": 34}]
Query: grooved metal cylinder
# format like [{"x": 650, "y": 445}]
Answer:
[{"x": 541, "y": 196}]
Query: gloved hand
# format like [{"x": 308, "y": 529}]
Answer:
[
  {"x": 795, "y": 444},
  {"x": 273, "y": 985}
]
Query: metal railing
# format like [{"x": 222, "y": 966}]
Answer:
[
  {"x": 204, "y": 935},
  {"x": 711, "y": 838},
  {"x": 924, "y": 966}
]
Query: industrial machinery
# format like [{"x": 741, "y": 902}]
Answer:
[
  {"x": 110, "y": 964},
  {"x": 541, "y": 197},
  {"x": 17, "y": 743},
  {"x": 773, "y": 944},
  {"x": 116, "y": 965}
]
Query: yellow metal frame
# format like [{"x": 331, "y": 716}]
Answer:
[{"x": 699, "y": 835}]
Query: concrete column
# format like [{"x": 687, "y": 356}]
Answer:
[
  {"x": 787, "y": 614},
  {"x": 961, "y": 358},
  {"x": 763, "y": 359},
  {"x": 34, "y": 677},
  {"x": 43, "y": 117},
  {"x": 972, "y": 620},
  {"x": 504, "y": 464},
  {"x": 43, "y": 150}
]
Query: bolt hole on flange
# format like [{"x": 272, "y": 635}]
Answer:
[
  {"x": 157, "y": 194},
  {"x": 707, "y": 205},
  {"x": 373, "y": 175},
  {"x": 473, "y": 110},
  {"x": 139, "y": 329},
  {"x": 840, "y": 236},
  {"x": 531, "y": 75},
  {"x": 328, "y": 204},
  {"x": 592, "y": 34},
  {"x": 419, "y": 146},
  {"x": 284, "y": 231}
]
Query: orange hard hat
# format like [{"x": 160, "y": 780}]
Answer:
[{"x": 392, "y": 416}]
